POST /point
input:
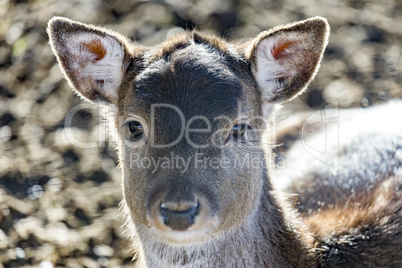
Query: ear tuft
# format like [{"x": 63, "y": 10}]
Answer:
[
  {"x": 96, "y": 48},
  {"x": 91, "y": 58},
  {"x": 278, "y": 50},
  {"x": 285, "y": 59}
]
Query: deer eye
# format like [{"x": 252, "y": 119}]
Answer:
[
  {"x": 136, "y": 130},
  {"x": 239, "y": 130}
]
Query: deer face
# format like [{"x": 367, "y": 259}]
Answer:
[
  {"x": 190, "y": 117},
  {"x": 184, "y": 175}
]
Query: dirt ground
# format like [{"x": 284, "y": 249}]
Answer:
[{"x": 59, "y": 202}]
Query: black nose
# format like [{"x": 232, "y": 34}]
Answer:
[{"x": 179, "y": 220}]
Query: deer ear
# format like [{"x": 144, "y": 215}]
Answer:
[
  {"x": 285, "y": 59},
  {"x": 91, "y": 58}
]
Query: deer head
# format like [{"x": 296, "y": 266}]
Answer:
[{"x": 190, "y": 118}]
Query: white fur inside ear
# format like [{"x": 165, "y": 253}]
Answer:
[
  {"x": 98, "y": 58},
  {"x": 273, "y": 73}
]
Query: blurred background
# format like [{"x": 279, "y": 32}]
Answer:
[{"x": 58, "y": 202}]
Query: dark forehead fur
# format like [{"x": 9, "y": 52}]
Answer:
[
  {"x": 166, "y": 48},
  {"x": 199, "y": 74}
]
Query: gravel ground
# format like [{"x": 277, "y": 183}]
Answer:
[{"x": 58, "y": 202}]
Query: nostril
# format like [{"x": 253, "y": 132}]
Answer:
[{"x": 177, "y": 219}]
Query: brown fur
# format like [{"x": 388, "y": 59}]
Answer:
[
  {"x": 354, "y": 210},
  {"x": 359, "y": 210},
  {"x": 363, "y": 231}
]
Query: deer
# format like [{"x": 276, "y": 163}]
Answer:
[{"x": 191, "y": 115}]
